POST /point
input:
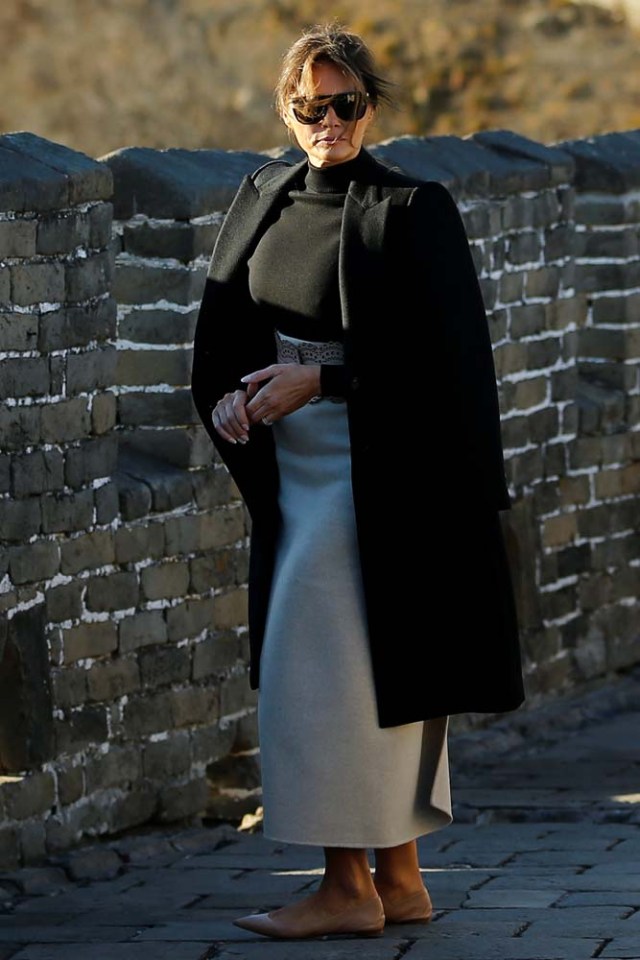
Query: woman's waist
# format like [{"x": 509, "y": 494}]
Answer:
[{"x": 296, "y": 350}]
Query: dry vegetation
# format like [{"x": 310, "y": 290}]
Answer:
[{"x": 199, "y": 73}]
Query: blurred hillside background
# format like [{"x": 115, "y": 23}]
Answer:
[{"x": 102, "y": 74}]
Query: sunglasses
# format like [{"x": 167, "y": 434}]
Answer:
[{"x": 347, "y": 106}]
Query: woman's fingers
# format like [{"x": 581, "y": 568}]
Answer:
[
  {"x": 230, "y": 419},
  {"x": 290, "y": 386}
]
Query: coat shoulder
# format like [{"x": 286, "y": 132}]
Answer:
[{"x": 269, "y": 171}]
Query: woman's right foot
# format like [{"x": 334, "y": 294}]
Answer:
[
  {"x": 313, "y": 917},
  {"x": 413, "y": 907}
]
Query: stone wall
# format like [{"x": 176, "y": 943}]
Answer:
[{"x": 123, "y": 647}]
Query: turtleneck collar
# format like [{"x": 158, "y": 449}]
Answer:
[{"x": 337, "y": 177}]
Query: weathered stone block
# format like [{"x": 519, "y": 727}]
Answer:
[
  {"x": 190, "y": 618},
  {"x": 139, "y": 543},
  {"x": 90, "y": 550},
  {"x": 37, "y": 283},
  {"x": 91, "y": 459},
  {"x": 29, "y": 797},
  {"x": 150, "y": 713},
  {"x": 157, "y": 408},
  {"x": 66, "y": 420},
  {"x": 511, "y": 286},
  {"x": 100, "y": 223},
  {"x": 559, "y": 241},
  {"x": 69, "y": 687},
  {"x": 164, "y": 580},
  {"x": 112, "y": 679},
  {"x": 215, "y": 654},
  {"x": 544, "y": 282},
  {"x": 146, "y": 282},
  {"x": 622, "y": 308},
  {"x": 560, "y": 530},
  {"x": 194, "y": 705},
  {"x": 18, "y": 238},
  {"x": 543, "y": 353},
  {"x": 213, "y": 571},
  {"x": 93, "y": 639},
  {"x": 590, "y": 277},
  {"x": 617, "y": 243},
  {"x": 66, "y": 512},
  {"x": 91, "y": 370},
  {"x": 112, "y": 591},
  {"x": 213, "y": 742},
  {"x": 574, "y": 490},
  {"x": 76, "y": 326},
  {"x": 103, "y": 412},
  {"x": 164, "y": 666},
  {"x": 167, "y": 758},
  {"x": 184, "y": 800},
  {"x": 141, "y": 325},
  {"x": 116, "y": 768},
  {"x": 149, "y": 367},
  {"x": 62, "y": 232},
  {"x": 70, "y": 782},
  {"x": 24, "y": 376},
  {"x": 37, "y": 472},
  {"x": 64, "y": 602},
  {"x": 34, "y": 561},
  {"x": 18, "y": 331},
  {"x": 524, "y": 247},
  {"x": 526, "y": 319},
  {"x": 141, "y": 629},
  {"x": 19, "y": 518},
  {"x": 236, "y": 695},
  {"x": 80, "y": 728},
  {"x": 89, "y": 277}
]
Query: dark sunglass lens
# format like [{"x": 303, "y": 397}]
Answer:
[{"x": 349, "y": 106}]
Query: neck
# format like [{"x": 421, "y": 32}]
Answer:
[{"x": 336, "y": 177}]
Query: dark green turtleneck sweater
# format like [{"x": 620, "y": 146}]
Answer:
[{"x": 293, "y": 273}]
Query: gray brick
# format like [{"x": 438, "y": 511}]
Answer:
[
  {"x": 511, "y": 287},
  {"x": 80, "y": 728},
  {"x": 76, "y": 326},
  {"x": 215, "y": 570},
  {"x": 29, "y": 797},
  {"x": 85, "y": 552},
  {"x": 147, "y": 283},
  {"x": 89, "y": 277},
  {"x": 176, "y": 240},
  {"x": 36, "y": 472},
  {"x": 103, "y": 412},
  {"x": 33, "y": 850},
  {"x": 106, "y": 502},
  {"x": 194, "y": 705},
  {"x": 526, "y": 319},
  {"x": 544, "y": 282},
  {"x": 184, "y": 448},
  {"x": 214, "y": 655},
  {"x": 5, "y": 473},
  {"x": 158, "y": 326},
  {"x": 142, "y": 629},
  {"x": 134, "y": 497},
  {"x": 235, "y": 695},
  {"x": 5, "y": 284},
  {"x": 183, "y": 801},
  {"x": 37, "y": 283},
  {"x": 609, "y": 243},
  {"x": 67, "y": 512},
  {"x": 165, "y": 580},
  {"x": 64, "y": 602},
  {"x": 91, "y": 369},
  {"x": 35, "y": 561},
  {"x": 213, "y": 742},
  {"x": 150, "y": 713},
  {"x": 157, "y": 408},
  {"x": 113, "y": 591},
  {"x": 139, "y": 542},
  {"x": 9, "y": 847},
  {"x": 24, "y": 376},
  {"x": 564, "y": 312},
  {"x": 100, "y": 223},
  {"x": 616, "y": 309},
  {"x": 69, "y": 687},
  {"x": 212, "y": 487},
  {"x": 164, "y": 666},
  {"x": 525, "y": 248},
  {"x": 543, "y": 353},
  {"x": 190, "y": 618},
  {"x": 605, "y": 210},
  {"x": 56, "y": 375},
  {"x": 167, "y": 758},
  {"x": 17, "y": 238},
  {"x": 113, "y": 679},
  {"x": 559, "y": 241},
  {"x": 61, "y": 233},
  {"x": 116, "y": 768},
  {"x": 19, "y": 426},
  {"x": 149, "y": 367},
  {"x": 91, "y": 459},
  {"x": 70, "y": 783},
  {"x": 93, "y": 639},
  {"x": 19, "y": 518},
  {"x": 516, "y": 213},
  {"x": 18, "y": 331},
  {"x": 591, "y": 277},
  {"x": 66, "y": 420}
]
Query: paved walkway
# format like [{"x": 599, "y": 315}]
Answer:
[{"x": 541, "y": 863}]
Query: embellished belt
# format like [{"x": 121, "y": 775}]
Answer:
[{"x": 293, "y": 350}]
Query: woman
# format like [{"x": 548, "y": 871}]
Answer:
[{"x": 343, "y": 369}]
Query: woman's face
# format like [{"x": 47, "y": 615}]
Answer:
[{"x": 331, "y": 140}]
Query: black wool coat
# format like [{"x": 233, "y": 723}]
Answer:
[{"x": 427, "y": 469}]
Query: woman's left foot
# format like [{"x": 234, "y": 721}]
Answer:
[{"x": 304, "y": 919}]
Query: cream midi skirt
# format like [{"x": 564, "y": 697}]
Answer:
[{"x": 331, "y": 775}]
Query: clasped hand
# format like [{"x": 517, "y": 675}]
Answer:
[{"x": 289, "y": 386}]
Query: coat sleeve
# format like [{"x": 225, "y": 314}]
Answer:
[{"x": 454, "y": 295}]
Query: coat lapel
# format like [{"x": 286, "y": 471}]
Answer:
[{"x": 361, "y": 242}]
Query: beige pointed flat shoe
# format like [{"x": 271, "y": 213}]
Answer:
[
  {"x": 365, "y": 919},
  {"x": 415, "y": 908}
]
